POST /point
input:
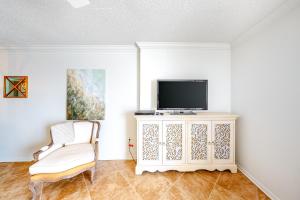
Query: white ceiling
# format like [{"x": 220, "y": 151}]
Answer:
[{"x": 51, "y": 22}]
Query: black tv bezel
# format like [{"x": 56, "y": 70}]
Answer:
[{"x": 182, "y": 80}]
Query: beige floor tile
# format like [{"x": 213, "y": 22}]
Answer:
[
  {"x": 220, "y": 193},
  {"x": 14, "y": 181},
  {"x": 124, "y": 165},
  {"x": 126, "y": 193},
  {"x": 105, "y": 187},
  {"x": 192, "y": 186},
  {"x": 150, "y": 185},
  {"x": 210, "y": 176},
  {"x": 169, "y": 196},
  {"x": 261, "y": 195},
  {"x": 69, "y": 189},
  {"x": 172, "y": 176},
  {"x": 178, "y": 192},
  {"x": 116, "y": 180}
]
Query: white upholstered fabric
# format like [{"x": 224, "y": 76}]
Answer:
[
  {"x": 63, "y": 133},
  {"x": 83, "y": 132},
  {"x": 63, "y": 159},
  {"x": 48, "y": 150}
]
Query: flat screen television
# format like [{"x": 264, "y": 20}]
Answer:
[{"x": 182, "y": 94}]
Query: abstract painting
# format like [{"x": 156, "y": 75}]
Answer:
[
  {"x": 15, "y": 87},
  {"x": 85, "y": 94}
]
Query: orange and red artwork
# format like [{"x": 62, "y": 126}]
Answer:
[{"x": 15, "y": 87}]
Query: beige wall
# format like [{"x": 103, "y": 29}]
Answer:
[
  {"x": 266, "y": 94},
  {"x": 24, "y": 122}
]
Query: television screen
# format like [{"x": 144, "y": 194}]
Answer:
[{"x": 182, "y": 94}]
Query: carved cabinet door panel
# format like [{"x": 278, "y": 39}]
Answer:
[
  {"x": 173, "y": 142},
  {"x": 149, "y": 140},
  {"x": 198, "y": 138},
  {"x": 223, "y": 142}
]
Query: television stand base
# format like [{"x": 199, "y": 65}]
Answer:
[{"x": 183, "y": 113}]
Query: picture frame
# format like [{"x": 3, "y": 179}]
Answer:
[{"x": 15, "y": 87}]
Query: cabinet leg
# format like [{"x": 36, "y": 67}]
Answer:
[
  {"x": 138, "y": 170},
  {"x": 233, "y": 169}
]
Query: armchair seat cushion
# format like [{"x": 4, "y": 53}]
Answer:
[{"x": 64, "y": 158}]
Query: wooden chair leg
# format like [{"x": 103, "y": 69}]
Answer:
[
  {"x": 36, "y": 189},
  {"x": 93, "y": 172}
]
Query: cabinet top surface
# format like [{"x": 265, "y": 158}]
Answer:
[{"x": 200, "y": 115}]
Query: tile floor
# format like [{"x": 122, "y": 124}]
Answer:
[{"x": 116, "y": 181}]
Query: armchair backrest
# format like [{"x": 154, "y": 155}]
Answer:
[{"x": 83, "y": 132}]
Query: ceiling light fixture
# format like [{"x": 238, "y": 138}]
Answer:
[{"x": 79, "y": 3}]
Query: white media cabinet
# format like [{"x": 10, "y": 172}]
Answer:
[{"x": 186, "y": 142}]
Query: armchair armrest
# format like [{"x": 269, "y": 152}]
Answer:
[
  {"x": 36, "y": 154},
  {"x": 44, "y": 151}
]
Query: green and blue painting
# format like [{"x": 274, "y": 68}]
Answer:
[{"x": 85, "y": 94}]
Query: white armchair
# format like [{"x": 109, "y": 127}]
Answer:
[{"x": 73, "y": 150}]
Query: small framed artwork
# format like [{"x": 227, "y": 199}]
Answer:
[{"x": 15, "y": 87}]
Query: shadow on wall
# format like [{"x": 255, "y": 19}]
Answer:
[{"x": 37, "y": 146}]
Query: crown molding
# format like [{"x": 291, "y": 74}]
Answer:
[
  {"x": 182, "y": 45},
  {"x": 72, "y": 48},
  {"x": 117, "y": 48}
]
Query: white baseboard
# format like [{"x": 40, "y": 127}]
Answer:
[{"x": 266, "y": 190}]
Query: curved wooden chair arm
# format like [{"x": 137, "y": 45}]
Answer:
[
  {"x": 36, "y": 155},
  {"x": 43, "y": 149}
]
